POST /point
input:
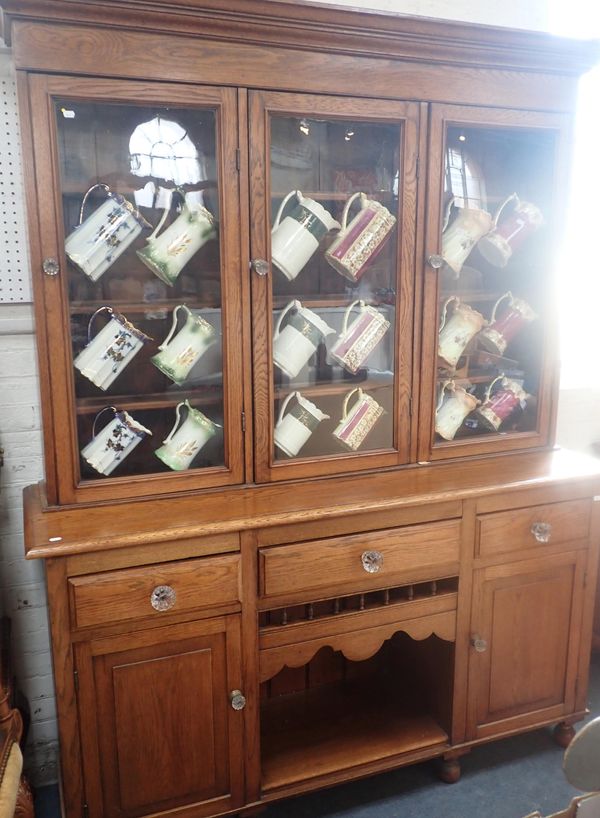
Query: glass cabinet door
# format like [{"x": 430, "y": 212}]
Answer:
[
  {"x": 149, "y": 263},
  {"x": 489, "y": 320},
  {"x": 333, "y": 187}
]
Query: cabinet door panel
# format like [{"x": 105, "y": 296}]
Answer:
[
  {"x": 527, "y": 619},
  {"x": 166, "y": 735},
  {"x": 141, "y": 210},
  {"x": 495, "y": 211},
  {"x": 333, "y": 191}
]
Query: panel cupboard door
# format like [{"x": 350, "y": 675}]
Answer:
[
  {"x": 525, "y": 633},
  {"x": 139, "y": 299},
  {"x": 157, "y": 727},
  {"x": 333, "y": 199},
  {"x": 496, "y": 194}
]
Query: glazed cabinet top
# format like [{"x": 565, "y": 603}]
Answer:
[{"x": 295, "y": 263}]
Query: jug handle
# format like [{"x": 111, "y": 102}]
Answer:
[
  {"x": 91, "y": 321},
  {"x": 497, "y": 304},
  {"x": 512, "y": 198},
  {"x": 174, "y": 323},
  {"x": 166, "y": 212},
  {"x": 348, "y": 311},
  {"x": 444, "y": 309},
  {"x": 286, "y": 199},
  {"x": 104, "y": 187},
  {"x": 346, "y": 209},
  {"x": 284, "y": 406},
  {"x": 106, "y": 408},
  {"x": 443, "y": 394},
  {"x": 289, "y": 307},
  {"x": 177, "y": 419},
  {"x": 488, "y": 391},
  {"x": 347, "y": 398},
  {"x": 447, "y": 214}
]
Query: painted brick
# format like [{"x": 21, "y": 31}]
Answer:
[
  {"x": 38, "y": 687},
  {"x": 43, "y": 709},
  {"x": 12, "y": 547},
  {"x": 21, "y": 572},
  {"x": 28, "y": 664},
  {"x": 42, "y": 731},
  {"x": 25, "y": 597}
]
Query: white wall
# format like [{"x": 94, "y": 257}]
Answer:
[{"x": 21, "y": 582}]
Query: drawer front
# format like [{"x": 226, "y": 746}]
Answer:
[
  {"x": 174, "y": 587},
  {"x": 534, "y": 527},
  {"x": 342, "y": 563}
]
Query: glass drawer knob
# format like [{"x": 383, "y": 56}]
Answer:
[
  {"x": 542, "y": 531},
  {"x": 260, "y": 266},
  {"x": 163, "y": 598},
  {"x": 436, "y": 261},
  {"x": 237, "y": 699},
  {"x": 50, "y": 266},
  {"x": 479, "y": 644},
  {"x": 372, "y": 561}
]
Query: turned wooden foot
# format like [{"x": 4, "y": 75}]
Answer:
[
  {"x": 449, "y": 770},
  {"x": 563, "y": 734}
]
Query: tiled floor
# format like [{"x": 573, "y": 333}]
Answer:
[{"x": 505, "y": 779}]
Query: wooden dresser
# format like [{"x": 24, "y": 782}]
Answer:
[{"x": 302, "y": 518}]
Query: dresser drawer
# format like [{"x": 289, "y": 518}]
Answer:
[
  {"x": 534, "y": 527},
  {"x": 134, "y": 593},
  {"x": 395, "y": 556}
]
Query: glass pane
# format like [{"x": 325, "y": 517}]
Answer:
[
  {"x": 141, "y": 216},
  {"x": 495, "y": 281},
  {"x": 334, "y": 205}
]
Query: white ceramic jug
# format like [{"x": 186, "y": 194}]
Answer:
[
  {"x": 295, "y": 239},
  {"x": 298, "y": 341},
  {"x": 117, "y": 439},
  {"x": 183, "y": 443},
  {"x": 178, "y": 354},
  {"x": 454, "y": 404},
  {"x": 99, "y": 240},
  {"x": 109, "y": 352},
  {"x": 359, "y": 242},
  {"x": 357, "y": 341},
  {"x": 166, "y": 255},
  {"x": 457, "y": 330},
  {"x": 294, "y": 429}
]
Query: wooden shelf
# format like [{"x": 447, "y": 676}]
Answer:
[
  {"x": 337, "y": 727},
  {"x": 470, "y": 296},
  {"x": 333, "y": 387},
  {"x": 323, "y": 301},
  {"x": 139, "y": 307},
  {"x": 336, "y": 196},
  {"x": 158, "y": 400}
]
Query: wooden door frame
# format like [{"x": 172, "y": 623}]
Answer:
[
  {"x": 406, "y": 114},
  {"x": 52, "y": 307}
]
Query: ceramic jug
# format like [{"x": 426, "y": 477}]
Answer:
[
  {"x": 359, "y": 242},
  {"x": 179, "y": 354},
  {"x": 294, "y": 428},
  {"x": 295, "y": 239},
  {"x": 166, "y": 255},
  {"x": 184, "y": 441},
  {"x": 357, "y": 341},
  {"x": 501, "y": 330},
  {"x": 117, "y": 439},
  {"x": 457, "y": 330},
  {"x": 507, "y": 236},
  {"x": 108, "y": 353},
  {"x": 454, "y": 404},
  {"x": 357, "y": 422},
  {"x": 106, "y": 233},
  {"x": 460, "y": 236},
  {"x": 498, "y": 407},
  {"x": 298, "y": 341}
]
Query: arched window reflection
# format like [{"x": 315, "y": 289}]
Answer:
[
  {"x": 163, "y": 150},
  {"x": 464, "y": 179}
]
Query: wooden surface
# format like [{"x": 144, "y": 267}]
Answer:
[{"x": 78, "y": 530}]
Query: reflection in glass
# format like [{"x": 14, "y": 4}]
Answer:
[
  {"x": 145, "y": 272},
  {"x": 494, "y": 285},
  {"x": 334, "y": 210}
]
